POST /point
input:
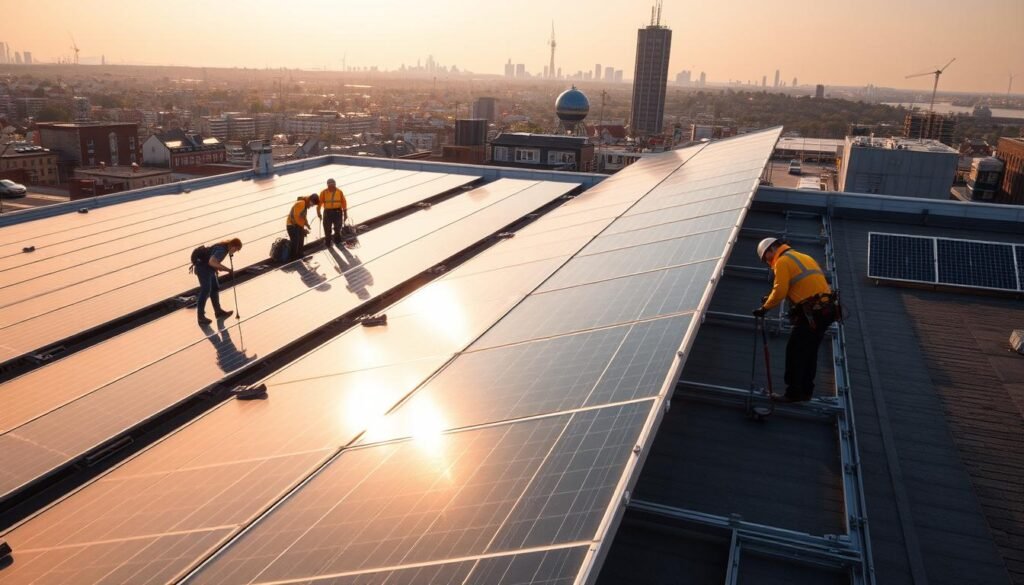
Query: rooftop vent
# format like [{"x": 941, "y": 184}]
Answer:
[{"x": 1017, "y": 340}]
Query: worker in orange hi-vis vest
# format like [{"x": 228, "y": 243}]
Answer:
[
  {"x": 298, "y": 225},
  {"x": 332, "y": 201},
  {"x": 813, "y": 308}
]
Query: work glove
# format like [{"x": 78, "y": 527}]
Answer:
[{"x": 759, "y": 312}]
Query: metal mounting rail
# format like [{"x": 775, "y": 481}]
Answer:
[{"x": 831, "y": 550}]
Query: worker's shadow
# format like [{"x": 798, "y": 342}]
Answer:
[
  {"x": 357, "y": 278},
  {"x": 229, "y": 357},
  {"x": 309, "y": 273}
]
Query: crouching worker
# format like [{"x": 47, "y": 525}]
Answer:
[
  {"x": 206, "y": 263},
  {"x": 799, "y": 278},
  {"x": 298, "y": 225}
]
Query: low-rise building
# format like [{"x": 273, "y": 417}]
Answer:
[
  {"x": 124, "y": 178},
  {"x": 88, "y": 144},
  {"x": 177, "y": 149},
  {"x": 34, "y": 165},
  {"x": 543, "y": 151},
  {"x": 983, "y": 179},
  {"x": 898, "y": 166}
]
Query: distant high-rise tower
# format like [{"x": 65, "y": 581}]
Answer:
[
  {"x": 794, "y": 82},
  {"x": 28, "y": 57},
  {"x": 650, "y": 78},
  {"x": 703, "y": 79},
  {"x": 764, "y": 81},
  {"x": 551, "y": 67},
  {"x": 776, "y": 78},
  {"x": 609, "y": 74},
  {"x": 597, "y": 72},
  {"x": 3, "y": 53},
  {"x": 17, "y": 58},
  {"x": 510, "y": 70},
  {"x": 819, "y": 92}
]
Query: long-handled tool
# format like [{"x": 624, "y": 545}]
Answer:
[
  {"x": 760, "y": 412},
  {"x": 238, "y": 313},
  {"x": 234, "y": 289}
]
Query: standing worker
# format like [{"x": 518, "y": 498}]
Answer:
[
  {"x": 332, "y": 200},
  {"x": 206, "y": 262},
  {"x": 799, "y": 278},
  {"x": 298, "y": 226}
]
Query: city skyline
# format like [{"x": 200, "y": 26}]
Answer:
[{"x": 740, "y": 40}]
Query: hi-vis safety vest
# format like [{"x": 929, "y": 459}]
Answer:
[
  {"x": 333, "y": 199},
  {"x": 797, "y": 277},
  {"x": 297, "y": 216}
]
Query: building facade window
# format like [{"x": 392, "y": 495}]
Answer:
[
  {"x": 561, "y": 157},
  {"x": 112, "y": 139},
  {"x": 501, "y": 153},
  {"x": 527, "y": 155}
]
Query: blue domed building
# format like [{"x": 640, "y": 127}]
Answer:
[{"x": 572, "y": 107}]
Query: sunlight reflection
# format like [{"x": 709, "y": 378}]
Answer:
[{"x": 442, "y": 309}]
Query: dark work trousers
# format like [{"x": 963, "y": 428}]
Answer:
[
  {"x": 802, "y": 356},
  {"x": 332, "y": 222},
  {"x": 297, "y": 236},
  {"x": 209, "y": 288}
]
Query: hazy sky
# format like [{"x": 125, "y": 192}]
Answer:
[{"x": 842, "y": 42}]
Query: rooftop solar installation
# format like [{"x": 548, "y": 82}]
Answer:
[
  {"x": 945, "y": 261},
  {"x": 94, "y": 394},
  {"x": 476, "y": 439},
  {"x": 83, "y": 281}
]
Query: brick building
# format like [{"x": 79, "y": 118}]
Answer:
[
  {"x": 1011, "y": 152},
  {"x": 87, "y": 144},
  {"x": 32, "y": 165}
]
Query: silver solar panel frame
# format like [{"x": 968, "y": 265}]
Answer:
[{"x": 935, "y": 251}]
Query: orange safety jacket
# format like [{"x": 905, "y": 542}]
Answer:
[
  {"x": 797, "y": 277},
  {"x": 332, "y": 200},
  {"x": 297, "y": 216}
]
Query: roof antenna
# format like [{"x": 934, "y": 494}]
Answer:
[{"x": 659, "y": 13}]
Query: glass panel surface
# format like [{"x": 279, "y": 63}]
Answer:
[
  {"x": 605, "y": 303},
  {"x": 901, "y": 257},
  {"x": 716, "y": 221},
  {"x": 979, "y": 264},
  {"x": 639, "y": 259}
]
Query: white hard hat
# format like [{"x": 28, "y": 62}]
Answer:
[{"x": 763, "y": 246}]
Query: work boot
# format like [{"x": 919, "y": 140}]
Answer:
[
  {"x": 203, "y": 320},
  {"x": 223, "y": 314}
]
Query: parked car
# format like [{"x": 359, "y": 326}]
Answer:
[
  {"x": 794, "y": 167},
  {"x": 9, "y": 188}
]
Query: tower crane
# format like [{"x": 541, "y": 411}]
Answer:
[{"x": 936, "y": 73}]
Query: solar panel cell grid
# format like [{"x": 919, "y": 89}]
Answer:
[
  {"x": 901, "y": 257},
  {"x": 980, "y": 264},
  {"x": 1020, "y": 266},
  {"x": 462, "y": 494}
]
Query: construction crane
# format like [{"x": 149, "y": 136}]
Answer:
[
  {"x": 936, "y": 73},
  {"x": 74, "y": 46}
]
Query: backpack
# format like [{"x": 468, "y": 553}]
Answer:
[{"x": 200, "y": 255}]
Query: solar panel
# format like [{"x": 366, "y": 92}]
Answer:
[
  {"x": 899, "y": 257},
  {"x": 45, "y": 432},
  {"x": 526, "y": 493},
  {"x": 1020, "y": 265},
  {"x": 509, "y": 487},
  {"x": 977, "y": 264},
  {"x": 34, "y": 321},
  {"x": 946, "y": 261}
]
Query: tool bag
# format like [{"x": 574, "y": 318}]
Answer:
[
  {"x": 821, "y": 309},
  {"x": 280, "y": 251}
]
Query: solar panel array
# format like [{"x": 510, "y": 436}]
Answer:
[
  {"x": 95, "y": 395},
  {"x": 946, "y": 261},
  {"x": 486, "y": 435},
  {"x": 114, "y": 261}
]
